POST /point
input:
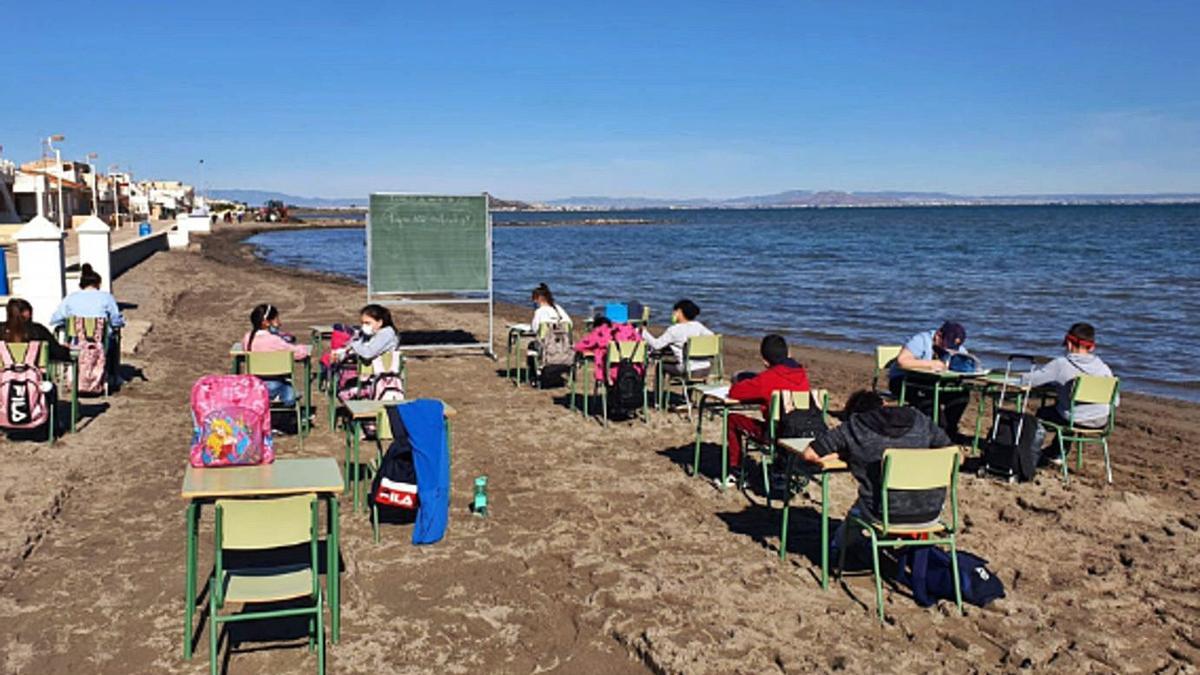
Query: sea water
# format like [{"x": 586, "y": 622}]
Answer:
[{"x": 1016, "y": 276}]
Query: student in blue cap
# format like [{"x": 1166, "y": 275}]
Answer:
[{"x": 931, "y": 350}]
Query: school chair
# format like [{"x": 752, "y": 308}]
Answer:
[
  {"x": 782, "y": 402},
  {"x": 697, "y": 348},
  {"x": 884, "y": 356},
  {"x": 111, "y": 341},
  {"x": 260, "y": 525},
  {"x": 384, "y": 438},
  {"x": 533, "y": 354},
  {"x": 635, "y": 352},
  {"x": 392, "y": 362},
  {"x": 279, "y": 365},
  {"x": 910, "y": 469},
  {"x": 1087, "y": 389}
]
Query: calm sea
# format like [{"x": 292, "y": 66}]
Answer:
[{"x": 1016, "y": 276}]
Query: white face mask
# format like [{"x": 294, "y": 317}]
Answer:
[{"x": 368, "y": 329}]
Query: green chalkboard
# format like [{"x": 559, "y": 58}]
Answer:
[{"x": 428, "y": 244}]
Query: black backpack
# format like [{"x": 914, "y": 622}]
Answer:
[
  {"x": 628, "y": 386},
  {"x": 801, "y": 424},
  {"x": 927, "y": 571},
  {"x": 396, "y": 482},
  {"x": 1015, "y": 448}
]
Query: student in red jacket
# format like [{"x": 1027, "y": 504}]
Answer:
[{"x": 782, "y": 374}]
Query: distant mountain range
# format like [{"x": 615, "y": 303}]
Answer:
[
  {"x": 787, "y": 199},
  {"x": 837, "y": 198}
]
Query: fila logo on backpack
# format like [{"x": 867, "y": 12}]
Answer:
[
  {"x": 23, "y": 404},
  {"x": 93, "y": 361}
]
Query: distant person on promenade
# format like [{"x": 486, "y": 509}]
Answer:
[
  {"x": 782, "y": 374},
  {"x": 88, "y": 302},
  {"x": 19, "y": 326},
  {"x": 931, "y": 350},
  {"x": 1061, "y": 372},
  {"x": 868, "y": 430},
  {"x": 266, "y": 335},
  {"x": 684, "y": 325}
]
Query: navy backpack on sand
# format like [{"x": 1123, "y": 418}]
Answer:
[{"x": 927, "y": 572}]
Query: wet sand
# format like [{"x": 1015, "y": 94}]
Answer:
[{"x": 601, "y": 554}]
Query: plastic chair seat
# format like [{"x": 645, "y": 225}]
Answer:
[
  {"x": 931, "y": 527},
  {"x": 268, "y": 584}
]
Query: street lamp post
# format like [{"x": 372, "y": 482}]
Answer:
[
  {"x": 50, "y": 140},
  {"x": 92, "y": 172},
  {"x": 116, "y": 186}
]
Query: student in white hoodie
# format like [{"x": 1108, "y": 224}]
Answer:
[
  {"x": 683, "y": 326},
  {"x": 547, "y": 310}
]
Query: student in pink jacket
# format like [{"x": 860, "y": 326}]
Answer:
[
  {"x": 266, "y": 336},
  {"x": 597, "y": 341}
]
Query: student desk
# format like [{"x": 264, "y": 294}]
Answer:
[
  {"x": 795, "y": 447},
  {"x": 237, "y": 354},
  {"x": 514, "y": 359},
  {"x": 716, "y": 395},
  {"x": 359, "y": 412},
  {"x": 281, "y": 477}
]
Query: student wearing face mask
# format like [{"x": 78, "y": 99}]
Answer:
[
  {"x": 376, "y": 336},
  {"x": 266, "y": 336}
]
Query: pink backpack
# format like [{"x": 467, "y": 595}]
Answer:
[
  {"x": 23, "y": 404},
  {"x": 231, "y": 418},
  {"x": 93, "y": 362}
]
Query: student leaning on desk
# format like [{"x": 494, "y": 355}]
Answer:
[{"x": 931, "y": 350}]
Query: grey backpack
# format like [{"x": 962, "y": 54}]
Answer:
[{"x": 556, "y": 347}]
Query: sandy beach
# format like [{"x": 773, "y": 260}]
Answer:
[{"x": 601, "y": 554}]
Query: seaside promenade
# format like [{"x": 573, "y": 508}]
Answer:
[{"x": 600, "y": 555}]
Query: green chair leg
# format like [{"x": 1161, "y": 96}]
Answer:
[
  {"x": 699, "y": 437},
  {"x": 1107, "y": 463},
  {"x": 954, "y": 571},
  {"x": 214, "y": 627},
  {"x": 878, "y": 577},
  {"x": 825, "y": 534},
  {"x": 320, "y": 632}
]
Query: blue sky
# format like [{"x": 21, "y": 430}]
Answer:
[{"x": 541, "y": 100}]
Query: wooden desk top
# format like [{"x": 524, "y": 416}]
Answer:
[
  {"x": 321, "y": 329},
  {"x": 283, "y": 476},
  {"x": 367, "y": 410},
  {"x": 799, "y": 445}
]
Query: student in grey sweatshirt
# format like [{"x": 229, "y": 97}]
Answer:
[{"x": 1061, "y": 372}]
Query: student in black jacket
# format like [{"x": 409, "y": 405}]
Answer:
[{"x": 860, "y": 441}]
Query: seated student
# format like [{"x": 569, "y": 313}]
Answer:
[
  {"x": 265, "y": 336},
  {"x": 89, "y": 302},
  {"x": 683, "y": 326},
  {"x": 19, "y": 326},
  {"x": 860, "y": 440},
  {"x": 376, "y": 336},
  {"x": 1061, "y": 372},
  {"x": 546, "y": 310},
  {"x": 782, "y": 374},
  {"x": 596, "y": 342},
  {"x": 932, "y": 350}
]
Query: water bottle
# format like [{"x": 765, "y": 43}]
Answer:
[{"x": 479, "y": 506}]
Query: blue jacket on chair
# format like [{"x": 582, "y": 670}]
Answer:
[{"x": 424, "y": 420}]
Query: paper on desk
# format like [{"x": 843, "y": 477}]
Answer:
[
  {"x": 521, "y": 327},
  {"x": 718, "y": 392}
]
